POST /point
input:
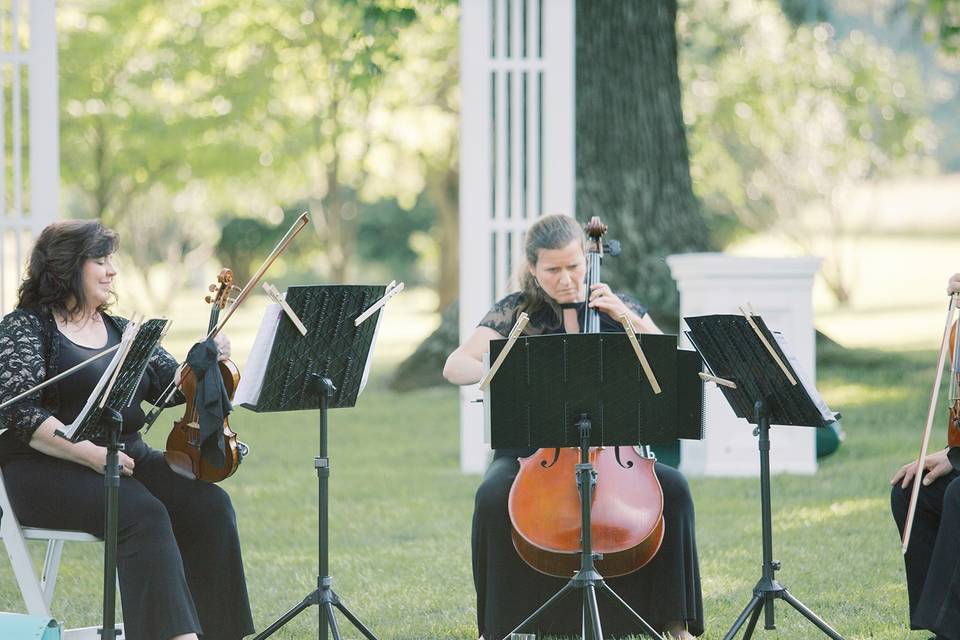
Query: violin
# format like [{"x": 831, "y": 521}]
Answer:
[
  {"x": 183, "y": 444},
  {"x": 627, "y": 503}
]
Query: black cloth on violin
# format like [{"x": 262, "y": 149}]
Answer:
[
  {"x": 932, "y": 560},
  {"x": 178, "y": 557},
  {"x": 212, "y": 400},
  {"x": 666, "y": 590}
]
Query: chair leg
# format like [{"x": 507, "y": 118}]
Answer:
[
  {"x": 23, "y": 570},
  {"x": 51, "y": 566}
]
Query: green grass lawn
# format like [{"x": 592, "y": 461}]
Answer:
[{"x": 400, "y": 509}]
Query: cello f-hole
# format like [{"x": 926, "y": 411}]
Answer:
[
  {"x": 556, "y": 456},
  {"x": 616, "y": 452}
]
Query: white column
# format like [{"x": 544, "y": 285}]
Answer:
[
  {"x": 516, "y": 155},
  {"x": 780, "y": 290}
]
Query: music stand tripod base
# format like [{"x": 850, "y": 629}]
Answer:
[
  {"x": 323, "y": 596},
  {"x": 767, "y": 588}
]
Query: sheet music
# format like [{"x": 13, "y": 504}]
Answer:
[
  {"x": 373, "y": 345},
  {"x": 811, "y": 389},
  {"x": 248, "y": 391}
]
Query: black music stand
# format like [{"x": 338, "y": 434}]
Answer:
[
  {"x": 763, "y": 395},
  {"x": 322, "y": 370},
  {"x": 104, "y": 425},
  {"x": 584, "y": 390}
]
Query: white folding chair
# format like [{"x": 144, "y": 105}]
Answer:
[{"x": 38, "y": 592}]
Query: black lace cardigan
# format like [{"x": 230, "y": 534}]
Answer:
[{"x": 30, "y": 354}]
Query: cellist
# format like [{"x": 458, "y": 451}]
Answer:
[
  {"x": 666, "y": 592},
  {"x": 179, "y": 563},
  {"x": 933, "y": 557}
]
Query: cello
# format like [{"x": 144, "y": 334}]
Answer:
[
  {"x": 183, "y": 453},
  {"x": 627, "y": 525}
]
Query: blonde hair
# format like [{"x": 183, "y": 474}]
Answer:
[{"x": 548, "y": 232}]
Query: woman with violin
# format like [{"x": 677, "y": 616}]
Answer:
[
  {"x": 179, "y": 563},
  {"x": 666, "y": 591},
  {"x": 932, "y": 558}
]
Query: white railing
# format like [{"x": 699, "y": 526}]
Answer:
[{"x": 29, "y": 120}]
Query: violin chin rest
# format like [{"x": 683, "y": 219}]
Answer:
[{"x": 180, "y": 464}]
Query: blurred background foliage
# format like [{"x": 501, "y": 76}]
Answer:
[{"x": 200, "y": 128}]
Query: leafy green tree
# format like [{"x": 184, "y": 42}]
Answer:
[
  {"x": 190, "y": 107},
  {"x": 939, "y": 19},
  {"x": 785, "y": 122}
]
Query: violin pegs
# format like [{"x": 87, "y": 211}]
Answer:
[
  {"x": 208, "y": 299},
  {"x": 212, "y": 288}
]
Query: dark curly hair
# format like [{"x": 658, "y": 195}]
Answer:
[{"x": 54, "y": 278}]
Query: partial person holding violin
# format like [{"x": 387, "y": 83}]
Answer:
[
  {"x": 179, "y": 561},
  {"x": 666, "y": 591},
  {"x": 932, "y": 558}
]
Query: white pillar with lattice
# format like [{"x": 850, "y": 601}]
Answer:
[
  {"x": 516, "y": 155},
  {"x": 29, "y": 120}
]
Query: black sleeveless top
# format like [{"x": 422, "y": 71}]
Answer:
[{"x": 75, "y": 389}]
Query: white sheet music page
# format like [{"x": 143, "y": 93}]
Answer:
[
  {"x": 248, "y": 391},
  {"x": 373, "y": 344},
  {"x": 811, "y": 389}
]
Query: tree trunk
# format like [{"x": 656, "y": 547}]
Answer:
[
  {"x": 632, "y": 161},
  {"x": 442, "y": 186}
]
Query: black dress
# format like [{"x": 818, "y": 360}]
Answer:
[
  {"x": 933, "y": 558},
  {"x": 665, "y": 591},
  {"x": 178, "y": 550}
]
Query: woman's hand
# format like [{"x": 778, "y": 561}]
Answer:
[
  {"x": 953, "y": 286},
  {"x": 935, "y": 464},
  {"x": 605, "y": 300},
  {"x": 95, "y": 457},
  {"x": 223, "y": 346}
]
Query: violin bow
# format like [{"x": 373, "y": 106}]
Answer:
[
  {"x": 59, "y": 376},
  {"x": 294, "y": 229},
  {"x": 931, "y": 411}
]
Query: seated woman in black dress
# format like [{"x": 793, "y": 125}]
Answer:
[
  {"x": 178, "y": 556},
  {"x": 666, "y": 592},
  {"x": 933, "y": 558}
]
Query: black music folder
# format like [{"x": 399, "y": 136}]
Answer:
[
  {"x": 547, "y": 381},
  {"x": 279, "y": 372},
  {"x": 732, "y": 350}
]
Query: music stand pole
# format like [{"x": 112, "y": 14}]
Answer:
[
  {"x": 587, "y": 578},
  {"x": 111, "y": 483},
  {"x": 767, "y": 588},
  {"x": 323, "y": 596}
]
